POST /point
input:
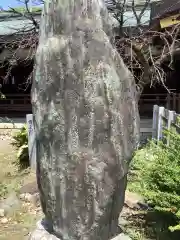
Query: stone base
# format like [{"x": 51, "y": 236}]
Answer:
[
  {"x": 122, "y": 236},
  {"x": 41, "y": 233}
]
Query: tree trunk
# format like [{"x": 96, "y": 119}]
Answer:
[{"x": 86, "y": 120}]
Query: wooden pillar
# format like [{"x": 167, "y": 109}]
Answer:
[
  {"x": 168, "y": 103},
  {"x": 157, "y": 100},
  {"x": 174, "y": 101},
  {"x": 178, "y": 102}
]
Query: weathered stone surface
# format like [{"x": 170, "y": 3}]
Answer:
[
  {"x": 122, "y": 236},
  {"x": 2, "y": 212},
  {"x": 132, "y": 200},
  {"x": 86, "y": 120},
  {"x": 30, "y": 188},
  {"x": 41, "y": 232},
  {"x": 122, "y": 222},
  {"x": 4, "y": 220},
  {"x": 10, "y": 204},
  {"x": 31, "y": 198}
]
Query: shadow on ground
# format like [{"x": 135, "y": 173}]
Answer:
[{"x": 153, "y": 225}]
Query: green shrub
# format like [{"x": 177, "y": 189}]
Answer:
[
  {"x": 20, "y": 141},
  {"x": 155, "y": 173},
  {"x": 3, "y": 190}
]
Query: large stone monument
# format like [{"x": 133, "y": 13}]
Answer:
[{"x": 86, "y": 122}]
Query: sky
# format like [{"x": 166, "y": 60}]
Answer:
[{"x": 11, "y": 3}]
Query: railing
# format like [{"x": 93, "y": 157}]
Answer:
[
  {"x": 21, "y": 103},
  {"x": 15, "y": 105},
  {"x": 16, "y": 99},
  {"x": 164, "y": 119},
  {"x": 170, "y": 101}
]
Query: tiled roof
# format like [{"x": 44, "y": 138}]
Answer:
[
  {"x": 110, "y": 3},
  {"x": 164, "y": 7},
  {"x": 11, "y": 27},
  {"x": 10, "y": 23},
  {"x": 130, "y": 19}
]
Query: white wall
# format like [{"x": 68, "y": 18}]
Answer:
[{"x": 137, "y": 2}]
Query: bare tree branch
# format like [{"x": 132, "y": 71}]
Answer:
[{"x": 138, "y": 47}]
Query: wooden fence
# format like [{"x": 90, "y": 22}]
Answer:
[
  {"x": 163, "y": 119},
  {"x": 169, "y": 101},
  {"x": 154, "y": 127},
  {"x": 18, "y": 105},
  {"x": 15, "y": 105}
]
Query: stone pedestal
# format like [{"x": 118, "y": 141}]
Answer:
[{"x": 41, "y": 233}]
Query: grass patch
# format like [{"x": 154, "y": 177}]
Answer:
[
  {"x": 23, "y": 220},
  {"x": 154, "y": 173},
  {"x": 19, "y": 224},
  {"x": 11, "y": 179},
  {"x": 150, "y": 225}
]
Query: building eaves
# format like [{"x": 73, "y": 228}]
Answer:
[{"x": 164, "y": 8}]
